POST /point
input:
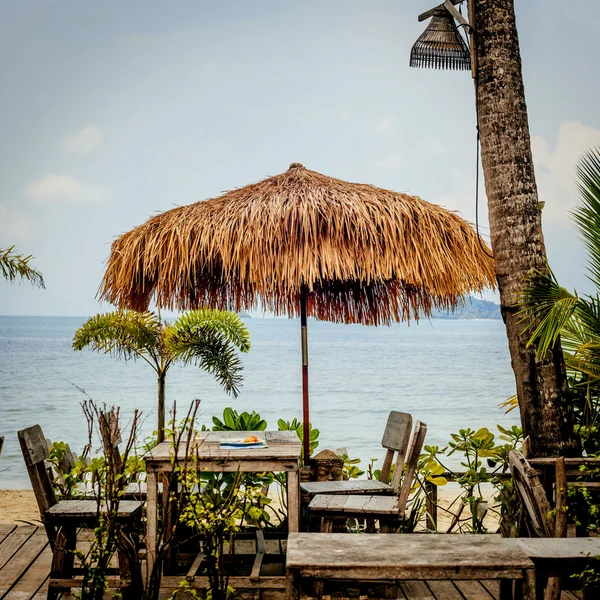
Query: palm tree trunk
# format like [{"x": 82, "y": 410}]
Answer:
[
  {"x": 161, "y": 406},
  {"x": 515, "y": 224}
]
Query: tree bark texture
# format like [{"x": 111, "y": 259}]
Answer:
[{"x": 515, "y": 224}]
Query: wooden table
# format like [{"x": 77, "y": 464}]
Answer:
[
  {"x": 394, "y": 557},
  {"x": 281, "y": 455}
]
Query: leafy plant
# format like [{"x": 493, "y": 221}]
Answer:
[
  {"x": 484, "y": 462},
  {"x": 350, "y": 470},
  {"x": 206, "y": 338},
  {"x": 551, "y": 313},
  {"x": 298, "y": 427},
  {"x": 234, "y": 421}
]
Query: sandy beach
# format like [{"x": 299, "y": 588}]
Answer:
[{"x": 18, "y": 506}]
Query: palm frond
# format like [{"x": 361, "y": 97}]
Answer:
[
  {"x": 210, "y": 349},
  {"x": 228, "y": 324},
  {"x": 15, "y": 265},
  {"x": 547, "y": 307},
  {"x": 123, "y": 334},
  {"x": 587, "y": 216}
]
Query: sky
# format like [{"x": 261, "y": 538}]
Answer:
[{"x": 111, "y": 112}]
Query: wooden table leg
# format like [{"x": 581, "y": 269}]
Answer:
[
  {"x": 151, "y": 520},
  {"x": 293, "y": 500},
  {"x": 529, "y": 585},
  {"x": 292, "y": 585}
]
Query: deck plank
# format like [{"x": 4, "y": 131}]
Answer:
[
  {"x": 473, "y": 590},
  {"x": 416, "y": 590},
  {"x": 5, "y": 530},
  {"x": 15, "y": 568},
  {"x": 11, "y": 545},
  {"x": 444, "y": 589},
  {"x": 34, "y": 582}
]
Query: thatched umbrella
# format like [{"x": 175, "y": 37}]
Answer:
[{"x": 302, "y": 244}]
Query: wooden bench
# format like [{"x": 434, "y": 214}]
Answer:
[
  {"x": 383, "y": 558},
  {"x": 557, "y": 557}
]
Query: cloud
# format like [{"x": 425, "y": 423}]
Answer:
[
  {"x": 555, "y": 168},
  {"x": 390, "y": 163},
  {"x": 64, "y": 189},
  {"x": 83, "y": 142},
  {"x": 13, "y": 225},
  {"x": 386, "y": 124}
]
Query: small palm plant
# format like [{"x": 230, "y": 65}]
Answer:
[
  {"x": 207, "y": 338},
  {"x": 559, "y": 315}
]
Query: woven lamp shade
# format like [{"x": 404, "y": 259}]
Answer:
[{"x": 441, "y": 46}]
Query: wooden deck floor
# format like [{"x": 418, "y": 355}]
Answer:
[{"x": 25, "y": 558}]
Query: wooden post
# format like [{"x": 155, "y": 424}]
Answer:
[
  {"x": 431, "y": 492},
  {"x": 305, "y": 406}
]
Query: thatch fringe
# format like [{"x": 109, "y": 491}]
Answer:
[{"x": 367, "y": 255}]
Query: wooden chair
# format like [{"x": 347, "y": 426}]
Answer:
[
  {"x": 63, "y": 518},
  {"x": 395, "y": 440},
  {"x": 388, "y": 510}
]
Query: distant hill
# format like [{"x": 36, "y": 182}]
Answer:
[{"x": 473, "y": 309}]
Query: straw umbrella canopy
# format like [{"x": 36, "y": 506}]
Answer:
[{"x": 302, "y": 244}]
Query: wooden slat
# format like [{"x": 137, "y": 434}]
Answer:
[
  {"x": 86, "y": 509},
  {"x": 6, "y": 530},
  {"x": 19, "y": 563},
  {"x": 397, "y": 431},
  {"x": 14, "y": 541},
  {"x": 354, "y": 486},
  {"x": 33, "y": 444},
  {"x": 444, "y": 589},
  {"x": 412, "y": 459},
  {"x": 416, "y": 590},
  {"x": 260, "y": 555},
  {"x": 396, "y": 556},
  {"x": 556, "y": 549},
  {"x": 354, "y": 505},
  {"x": 35, "y": 580},
  {"x": 492, "y": 586},
  {"x": 473, "y": 590},
  {"x": 191, "y": 574}
]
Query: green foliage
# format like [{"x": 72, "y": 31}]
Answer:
[
  {"x": 235, "y": 421},
  {"x": 13, "y": 266},
  {"x": 475, "y": 446},
  {"x": 226, "y": 502},
  {"x": 550, "y": 312},
  {"x": 298, "y": 427},
  {"x": 350, "y": 470},
  {"x": 206, "y": 338}
]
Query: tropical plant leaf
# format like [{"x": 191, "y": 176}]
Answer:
[
  {"x": 123, "y": 334},
  {"x": 548, "y": 307},
  {"x": 228, "y": 324},
  {"x": 13, "y": 266},
  {"x": 587, "y": 216},
  {"x": 208, "y": 349}
]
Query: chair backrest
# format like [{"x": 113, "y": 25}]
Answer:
[
  {"x": 35, "y": 451},
  {"x": 395, "y": 439},
  {"x": 412, "y": 461},
  {"x": 531, "y": 491}
]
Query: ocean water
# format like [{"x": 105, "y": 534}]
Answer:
[{"x": 448, "y": 374}]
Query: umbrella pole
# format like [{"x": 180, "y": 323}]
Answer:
[{"x": 304, "y": 336}]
